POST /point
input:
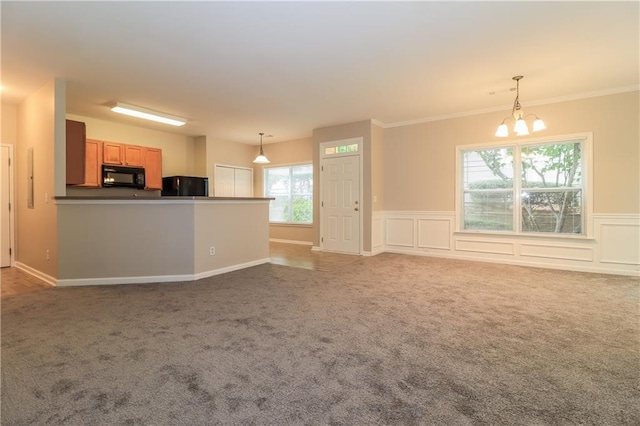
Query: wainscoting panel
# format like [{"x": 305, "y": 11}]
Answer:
[
  {"x": 435, "y": 233},
  {"x": 552, "y": 251},
  {"x": 613, "y": 249},
  {"x": 615, "y": 243},
  {"x": 400, "y": 232},
  {"x": 485, "y": 246}
]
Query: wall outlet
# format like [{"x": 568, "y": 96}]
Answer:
[
  {"x": 47, "y": 254},
  {"x": 212, "y": 251}
]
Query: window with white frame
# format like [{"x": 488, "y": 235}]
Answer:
[
  {"x": 292, "y": 188},
  {"x": 525, "y": 187}
]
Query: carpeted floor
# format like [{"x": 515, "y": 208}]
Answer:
[{"x": 387, "y": 340}]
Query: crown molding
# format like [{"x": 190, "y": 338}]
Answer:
[{"x": 547, "y": 101}]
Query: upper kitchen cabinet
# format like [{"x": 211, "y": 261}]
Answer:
[
  {"x": 134, "y": 156},
  {"x": 153, "y": 168},
  {"x": 113, "y": 153},
  {"x": 76, "y": 138},
  {"x": 93, "y": 164}
]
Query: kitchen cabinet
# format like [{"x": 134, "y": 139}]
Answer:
[
  {"x": 134, "y": 156},
  {"x": 153, "y": 168},
  {"x": 113, "y": 153},
  {"x": 75, "y": 151},
  {"x": 93, "y": 164}
]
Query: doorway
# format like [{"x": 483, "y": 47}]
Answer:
[
  {"x": 6, "y": 205},
  {"x": 341, "y": 209}
]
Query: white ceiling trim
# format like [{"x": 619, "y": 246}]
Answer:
[{"x": 548, "y": 101}]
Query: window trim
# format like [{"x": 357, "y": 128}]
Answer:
[
  {"x": 586, "y": 138},
  {"x": 264, "y": 189}
]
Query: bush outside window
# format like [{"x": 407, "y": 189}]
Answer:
[
  {"x": 292, "y": 188},
  {"x": 525, "y": 188}
]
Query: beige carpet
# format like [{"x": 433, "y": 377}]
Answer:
[{"x": 390, "y": 339}]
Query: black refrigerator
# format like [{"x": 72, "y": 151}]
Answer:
[{"x": 185, "y": 186}]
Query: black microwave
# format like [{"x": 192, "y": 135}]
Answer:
[
  {"x": 123, "y": 177},
  {"x": 185, "y": 186}
]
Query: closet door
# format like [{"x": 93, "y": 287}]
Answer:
[
  {"x": 243, "y": 183},
  {"x": 224, "y": 178}
]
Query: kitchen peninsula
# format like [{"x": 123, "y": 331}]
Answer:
[{"x": 118, "y": 240}]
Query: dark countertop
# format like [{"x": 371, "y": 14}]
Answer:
[{"x": 144, "y": 198}]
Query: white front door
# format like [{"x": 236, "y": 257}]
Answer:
[
  {"x": 341, "y": 204},
  {"x": 5, "y": 212}
]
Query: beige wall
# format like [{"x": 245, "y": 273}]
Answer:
[
  {"x": 154, "y": 240},
  {"x": 37, "y": 229},
  {"x": 285, "y": 154},
  {"x": 238, "y": 231},
  {"x": 9, "y": 124},
  {"x": 200, "y": 153},
  {"x": 119, "y": 240},
  {"x": 361, "y": 129},
  {"x": 178, "y": 151},
  {"x": 419, "y": 160},
  {"x": 377, "y": 167}
]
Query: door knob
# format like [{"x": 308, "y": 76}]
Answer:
[{"x": 357, "y": 209}]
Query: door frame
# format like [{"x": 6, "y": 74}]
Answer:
[
  {"x": 12, "y": 212},
  {"x": 323, "y": 156}
]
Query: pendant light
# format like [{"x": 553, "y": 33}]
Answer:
[
  {"x": 518, "y": 116},
  {"x": 261, "y": 159}
]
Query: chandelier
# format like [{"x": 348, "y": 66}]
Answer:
[{"x": 518, "y": 116}]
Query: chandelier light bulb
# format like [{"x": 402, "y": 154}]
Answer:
[
  {"x": 521, "y": 128},
  {"x": 503, "y": 131},
  {"x": 538, "y": 124}
]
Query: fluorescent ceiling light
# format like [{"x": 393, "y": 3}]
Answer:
[{"x": 148, "y": 114}]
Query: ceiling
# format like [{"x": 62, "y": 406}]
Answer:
[{"x": 284, "y": 68}]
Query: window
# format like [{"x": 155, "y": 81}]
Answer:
[
  {"x": 341, "y": 149},
  {"x": 525, "y": 187},
  {"x": 292, "y": 188}
]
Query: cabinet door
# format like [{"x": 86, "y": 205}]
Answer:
[
  {"x": 153, "y": 168},
  {"x": 113, "y": 153},
  {"x": 93, "y": 164},
  {"x": 134, "y": 156},
  {"x": 76, "y": 136}
]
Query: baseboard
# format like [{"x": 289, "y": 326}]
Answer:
[
  {"x": 373, "y": 252},
  {"x": 36, "y": 273},
  {"x": 231, "y": 268},
  {"x": 278, "y": 240},
  {"x": 78, "y": 282},
  {"x": 315, "y": 248},
  {"x": 516, "y": 262},
  {"x": 158, "y": 278}
]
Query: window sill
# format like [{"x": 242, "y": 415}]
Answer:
[
  {"x": 291, "y": 224},
  {"x": 555, "y": 237}
]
